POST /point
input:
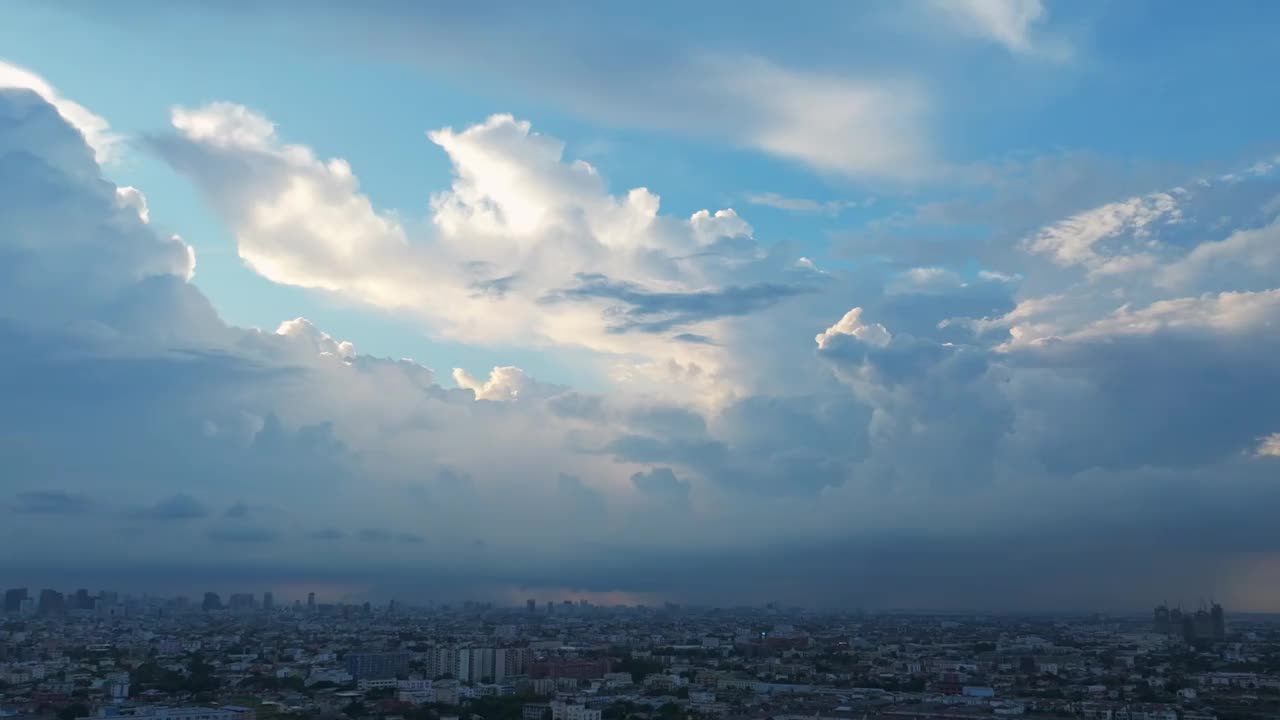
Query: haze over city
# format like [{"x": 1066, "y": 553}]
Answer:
[{"x": 931, "y": 305}]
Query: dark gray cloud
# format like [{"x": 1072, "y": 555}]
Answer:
[
  {"x": 1169, "y": 399},
  {"x": 669, "y": 420},
  {"x": 51, "y": 502},
  {"x": 178, "y": 507},
  {"x": 497, "y": 287},
  {"x": 577, "y": 405},
  {"x": 649, "y": 311},
  {"x": 581, "y": 498},
  {"x": 765, "y": 445},
  {"x": 247, "y": 534},
  {"x": 452, "y": 481},
  {"x": 662, "y": 484},
  {"x": 380, "y": 535},
  {"x": 651, "y": 449},
  {"x": 694, "y": 339}
]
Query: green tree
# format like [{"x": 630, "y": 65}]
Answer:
[{"x": 73, "y": 711}]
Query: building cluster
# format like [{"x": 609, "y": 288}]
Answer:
[
  {"x": 1210, "y": 624},
  {"x": 69, "y": 656}
]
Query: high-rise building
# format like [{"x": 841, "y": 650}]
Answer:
[
  {"x": 268, "y": 601},
  {"x": 1202, "y": 625},
  {"x": 1160, "y": 623},
  {"x": 480, "y": 664},
  {"x": 1218, "y": 618},
  {"x": 241, "y": 602},
  {"x": 462, "y": 666},
  {"x": 211, "y": 602},
  {"x": 311, "y": 602},
  {"x": 570, "y": 668},
  {"x": 531, "y": 605},
  {"x": 516, "y": 661},
  {"x": 13, "y": 599},
  {"x": 51, "y": 603},
  {"x": 82, "y": 601},
  {"x": 441, "y": 662},
  {"x": 499, "y": 665}
]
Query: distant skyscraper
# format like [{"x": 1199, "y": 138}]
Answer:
[
  {"x": 82, "y": 600},
  {"x": 51, "y": 603},
  {"x": 531, "y": 605},
  {"x": 311, "y": 602},
  {"x": 268, "y": 601},
  {"x": 13, "y": 599},
  {"x": 1202, "y": 625},
  {"x": 241, "y": 602},
  {"x": 1160, "y": 623},
  {"x": 211, "y": 602},
  {"x": 1219, "y": 619}
]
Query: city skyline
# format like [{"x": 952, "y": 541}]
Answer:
[
  {"x": 1168, "y": 617},
  {"x": 934, "y": 304},
  {"x": 154, "y": 661}
]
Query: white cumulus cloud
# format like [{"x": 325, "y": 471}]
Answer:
[
  {"x": 96, "y": 131},
  {"x": 851, "y": 325},
  {"x": 525, "y": 246}
]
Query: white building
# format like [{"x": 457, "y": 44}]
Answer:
[
  {"x": 333, "y": 675},
  {"x": 417, "y": 697},
  {"x": 228, "y": 712},
  {"x": 561, "y": 710},
  {"x": 376, "y": 684},
  {"x": 617, "y": 679},
  {"x": 413, "y": 685}
]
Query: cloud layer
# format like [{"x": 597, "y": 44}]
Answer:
[{"x": 769, "y": 430}]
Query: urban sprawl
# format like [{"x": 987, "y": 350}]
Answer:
[{"x": 103, "y": 655}]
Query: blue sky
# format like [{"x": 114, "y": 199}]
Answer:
[{"x": 873, "y": 275}]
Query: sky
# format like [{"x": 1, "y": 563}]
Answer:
[{"x": 940, "y": 304}]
